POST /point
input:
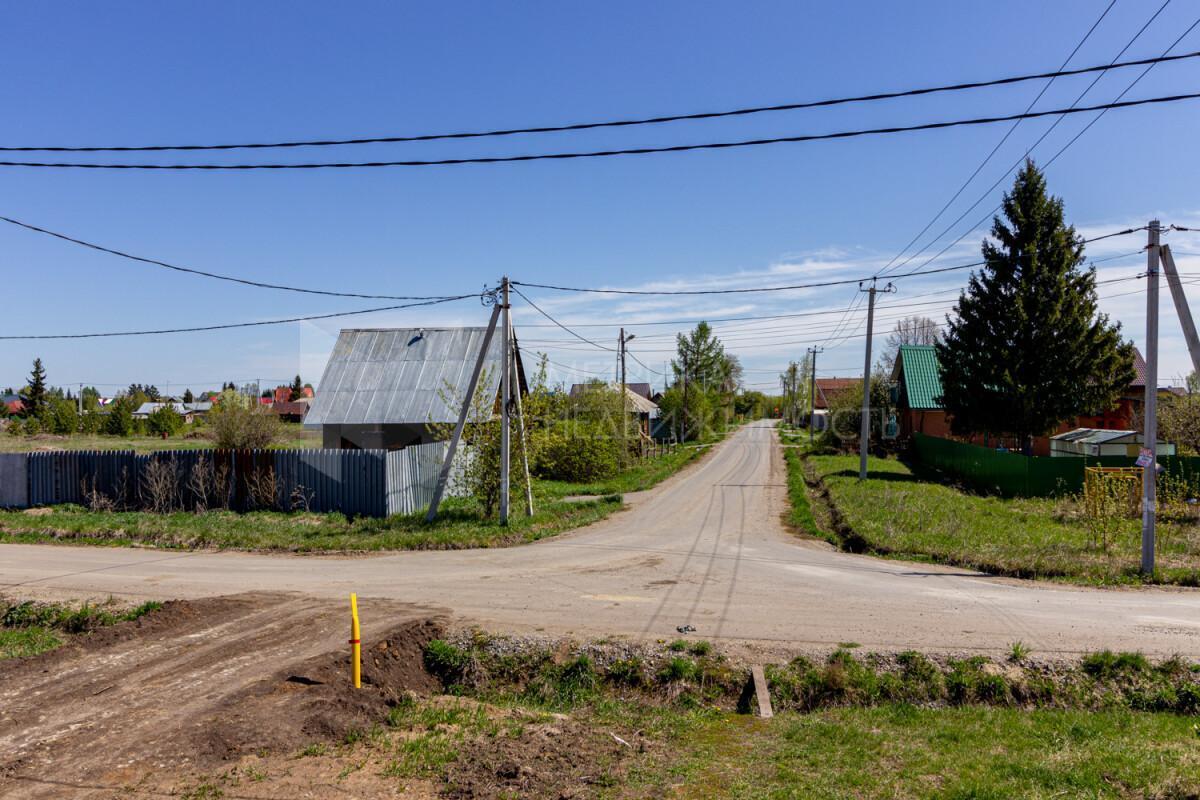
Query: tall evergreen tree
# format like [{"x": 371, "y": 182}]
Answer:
[
  {"x": 34, "y": 395},
  {"x": 297, "y": 389},
  {"x": 1026, "y": 348},
  {"x": 188, "y": 397}
]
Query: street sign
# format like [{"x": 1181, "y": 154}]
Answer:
[{"x": 1146, "y": 458}]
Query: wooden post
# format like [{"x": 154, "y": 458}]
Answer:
[
  {"x": 505, "y": 400},
  {"x": 521, "y": 424},
  {"x": 443, "y": 476}
]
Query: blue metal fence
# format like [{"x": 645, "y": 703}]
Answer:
[{"x": 354, "y": 482}]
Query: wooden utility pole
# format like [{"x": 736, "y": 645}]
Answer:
[
  {"x": 505, "y": 399},
  {"x": 1149, "y": 473},
  {"x": 520, "y": 423},
  {"x": 444, "y": 475}
]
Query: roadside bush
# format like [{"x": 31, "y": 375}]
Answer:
[
  {"x": 164, "y": 420},
  {"x": 576, "y": 459},
  {"x": 31, "y": 426},
  {"x": 60, "y": 417},
  {"x": 91, "y": 423},
  {"x": 120, "y": 418},
  {"x": 235, "y": 426}
]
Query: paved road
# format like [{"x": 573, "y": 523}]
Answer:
[{"x": 706, "y": 548}]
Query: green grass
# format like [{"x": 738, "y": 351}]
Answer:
[
  {"x": 28, "y": 628},
  {"x": 459, "y": 524},
  {"x": 857, "y": 727},
  {"x": 903, "y": 751},
  {"x": 800, "y": 515},
  {"x": 294, "y": 436},
  {"x": 638, "y": 477},
  {"x": 898, "y": 513}
]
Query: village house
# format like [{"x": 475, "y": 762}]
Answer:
[
  {"x": 390, "y": 388},
  {"x": 918, "y": 381}
]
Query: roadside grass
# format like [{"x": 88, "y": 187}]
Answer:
[
  {"x": 800, "y": 514},
  {"x": 460, "y": 522},
  {"x": 28, "y": 628},
  {"x": 293, "y": 437},
  {"x": 900, "y": 750},
  {"x": 909, "y": 725},
  {"x": 638, "y": 477},
  {"x": 898, "y": 513}
]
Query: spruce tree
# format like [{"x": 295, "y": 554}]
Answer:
[
  {"x": 1026, "y": 348},
  {"x": 297, "y": 389},
  {"x": 33, "y": 398}
]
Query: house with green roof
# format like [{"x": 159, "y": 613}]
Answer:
[{"x": 918, "y": 379}]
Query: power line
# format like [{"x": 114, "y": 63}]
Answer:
[
  {"x": 745, "y": 290},
  {"x": 1042, "y": 138},
  {"x": 999, "y": 144},
  {"x": 234, "y": 324},
  {"x": 232, "y": 279},
  {"x": 538, "y": 309},
  {"x": 680, "y": 148},
  {"x": 579, "y": 126}
]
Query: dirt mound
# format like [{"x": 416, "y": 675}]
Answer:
[
  {"x": 314, "y": 701},
  {"x": 196, "y": 683}
]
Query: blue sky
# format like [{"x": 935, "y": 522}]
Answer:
[{"x": 132, "y": 73}]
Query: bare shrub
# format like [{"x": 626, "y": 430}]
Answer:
[
  {"x": 262, "y": 489},
  {"x": 160, "y": 485},
  {"x": 95, "y": 499},
  {"x": 301, "y": 498},
  {"x": 202, "y": 483}
]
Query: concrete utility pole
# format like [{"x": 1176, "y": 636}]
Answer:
[
  {"x": 505, "y": 396},
  {"x": 1149, "y": 473},
  {"x": 864, "y": 434},
  {"x": 80, "y": 399},
  {"x": 521, "y": 423},
  {"x": 622, "y": 340},
  {"x": 812, "y": 393},
  {"x": 1181, "y": 305},
  {"x": 683, "y": 425}
]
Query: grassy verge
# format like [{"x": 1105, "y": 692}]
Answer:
[
  {"x": 460, "y": 523},
  {"x": 800, "y": 514},
  {"x": 898, "y": 513},
  {"x": 293, "y": 436},
  {"x": 28, "y": 628},
  {"x": 847, "y": 726}
]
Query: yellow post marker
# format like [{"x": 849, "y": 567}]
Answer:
[{"x": 355, "y": 642}]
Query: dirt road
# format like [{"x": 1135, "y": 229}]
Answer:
[
  {"x": 194, "y": 684},
  {"x": 706, "y": 548}
]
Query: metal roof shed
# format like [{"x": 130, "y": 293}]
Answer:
[
  {"x": 1102, "y": 442},
  {"x": 383, "y": 386}
]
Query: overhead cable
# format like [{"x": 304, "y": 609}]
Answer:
[
  {"x": 204, "y": 328},
  {"x": 632, "y": 151},
  {"x": 580, "y": 126},
  {"x": 203, "y": 273}
]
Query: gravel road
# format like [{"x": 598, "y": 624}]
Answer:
[{"x": 706, "y": 548}]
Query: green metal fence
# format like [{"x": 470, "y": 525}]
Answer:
[{"x": 1015, "y": 475}]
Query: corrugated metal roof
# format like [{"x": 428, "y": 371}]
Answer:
[
  {"x": 922, "y": 376},
  {"x": 384, "y": 376},
  {"x": 1096, "y": 436}
]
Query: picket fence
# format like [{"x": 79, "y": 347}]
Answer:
[{"x": 372, "y": 483}]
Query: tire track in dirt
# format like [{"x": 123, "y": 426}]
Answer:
[{"x": 162, "y": 687}]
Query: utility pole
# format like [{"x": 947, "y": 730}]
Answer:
[
  {"x": 812, "y": 392},
  {"x": 683, "y": 426},
  {"x": 864, "y": 434},
  {"x": 505, "y": 395},
  {"x": 521, "y": 423},
  {"x": 1149, "y": 473},
  {"x": 622, "y": 340},
  {"x": 80, "y": 399}
]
